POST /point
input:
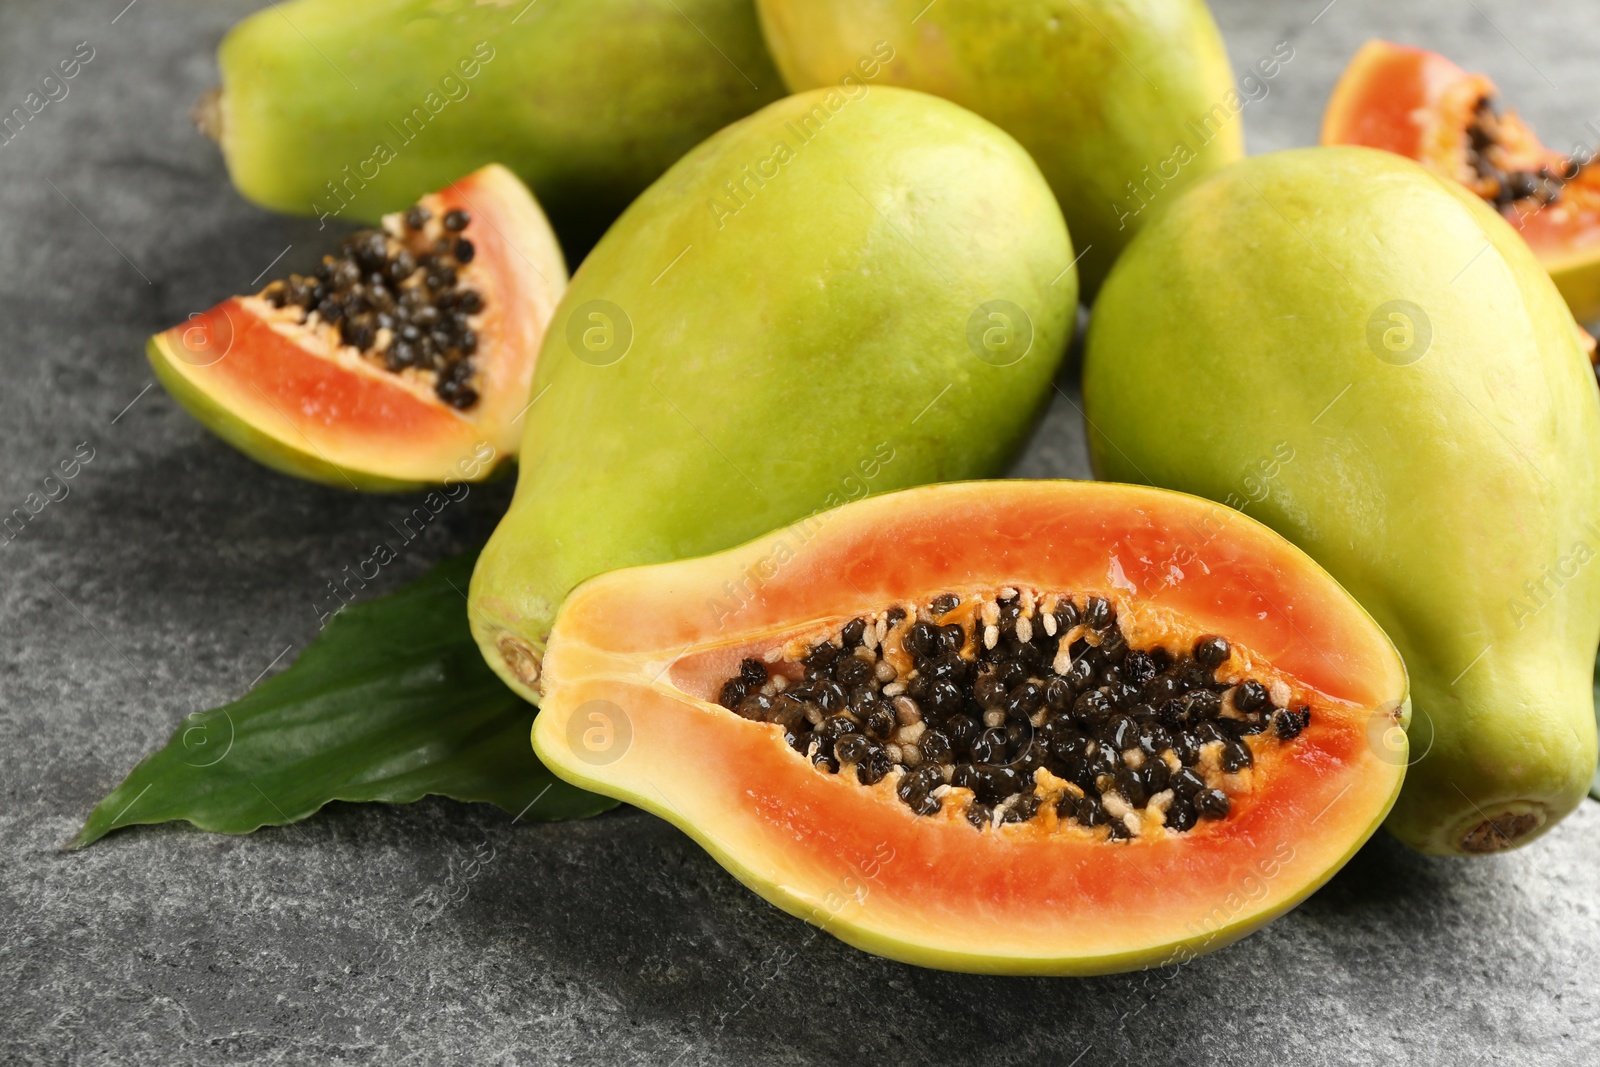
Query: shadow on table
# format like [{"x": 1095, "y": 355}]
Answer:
[{"x": 687, "y": 961}]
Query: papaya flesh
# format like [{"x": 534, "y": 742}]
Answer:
[
  {"x": 1382, "y": 373},
  {"x": 1421, "y": 105},
  {"x": 850, "y": 291},
  {"x": 354, "y": 108},
  {"x": 1122, "y": 104},
  {"x": 403, "y": 361},
  {"x": 957, "y": 605}
]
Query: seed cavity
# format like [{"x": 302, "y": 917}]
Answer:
[
  {"x": 1013, "y": 703},
  {"x": 397, "y": 296}
]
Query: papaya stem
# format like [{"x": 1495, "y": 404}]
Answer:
[{"x": 207, "y": 114}]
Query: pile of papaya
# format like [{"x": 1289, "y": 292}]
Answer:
[{"x": 758, "y": 574}]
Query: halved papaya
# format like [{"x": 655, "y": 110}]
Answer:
[
  {"x": 1009, "y": 727},
  {"x": 403, "y": 361},
  {"x": 1421, "y": 105}
]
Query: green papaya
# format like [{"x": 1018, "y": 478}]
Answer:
[
  {"x": 851, "y": 291},
  {"x": 353, "y": 108},
  {"x": 1371, "y": 361},
  {"x": 1122, "y": 102}
]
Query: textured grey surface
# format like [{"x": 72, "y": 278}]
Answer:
[{"x": 175, "y": 571}]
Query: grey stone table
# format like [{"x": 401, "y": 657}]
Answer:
[{"x": 175, "y": 572}]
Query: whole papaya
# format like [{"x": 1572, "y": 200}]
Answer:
[
  {"x": 1371, "y": 361},
  {"x": 353, "y": 108},
  {"x": 851, "y": 291},
  {"x": 1122, "y": 102}
]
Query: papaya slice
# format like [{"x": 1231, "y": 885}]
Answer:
[
  {"x": 1008, "y": 727},
  {"x": 404, "y": 361},
  {"x": 1421, "y": 105}
]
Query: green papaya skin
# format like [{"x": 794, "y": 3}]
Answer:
[
  {"x": 351, "y": 108},
  {"x": 1371, "y": 361},
  {"x": 1096, "y": 90},
  {"x": 723, "y": 365}
]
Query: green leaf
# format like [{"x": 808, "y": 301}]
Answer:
[{"x": 390, "y": 703}]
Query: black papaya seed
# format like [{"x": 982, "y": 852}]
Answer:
[
  {"x": 755, "y": 706},
  {"x": 990, "y": 746},
  {"x": 1291, "y": 723},
  {"x": 952, "y": 638},
  {"x": 1236, "y": 756},
  {"x": 991, "y": 716},
  {"x": 1211, "y": 803},
  {"x": 1155, "y": 775},
  {"x": 852, "y": 670},
  {"x": 852, "y": 748},
  {"x": 1249, "y": 696},
  {"x": 753, "y": 671},
  {"x": 1211, "y": 651},
  {"x": 935, "y": 747},
  {"x": 1023, "y": 808},
  {"x": 1181, "y": 815},
  {"x": 874, "y": 766}
]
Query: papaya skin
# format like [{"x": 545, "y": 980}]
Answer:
[
  {"x": 588, "y": 101},
  {"x": 274, "y": 452},
  {"x": 1067, "y": 78},
  {"x": 262, "y": 447},
  {"x": 1577, "y": 277},
  {"x": 1432, "y": 483},
  {"x": 814, "y": 346}
]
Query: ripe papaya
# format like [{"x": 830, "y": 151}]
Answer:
[
  {"x": 1010, "y": 727},
  {"x": 1421, "y": 105},
  {"x": 402, "y": 361},
  {"x": 354, "y": 108},
  {"x": 1380, "y": 370},
  {"x": 1123, "y": 104},
  {"x": 851, "y": 291}
]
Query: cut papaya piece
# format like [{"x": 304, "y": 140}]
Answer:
[
  {"x": 1421, "y": 105},
  {"x": 1007, "y": 727},
  {"x": 404, "y": 361}
]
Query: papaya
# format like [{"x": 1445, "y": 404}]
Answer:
[
  {"x": 1123, "y": 104},
  {"x": 851, "y": 291},
  {"x": 1011, "y": 727},
  {"x": 355, "y": 108},
  {"x": 402, "y": 361},
  {"x": 1421, "y": 105},
  {"x": 1368, "y": 359}
]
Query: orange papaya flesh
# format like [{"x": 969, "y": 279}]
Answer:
[
  {"x": 404, "y": 361},
  {"x": 1421, "y": 105},
  {"x": 848, "y": 830}
]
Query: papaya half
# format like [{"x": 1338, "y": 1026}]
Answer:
[
  {"x": 1010, "y": 727},
  {"x": 1381, "y": 371},
  {"x": 403, "y": 361},
  {"x": 1122, "y": 103},
  {"x": 1421, "y": 105},
  {"x": 355, "y": 108},
  {"x": 850, "y": 291}
]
